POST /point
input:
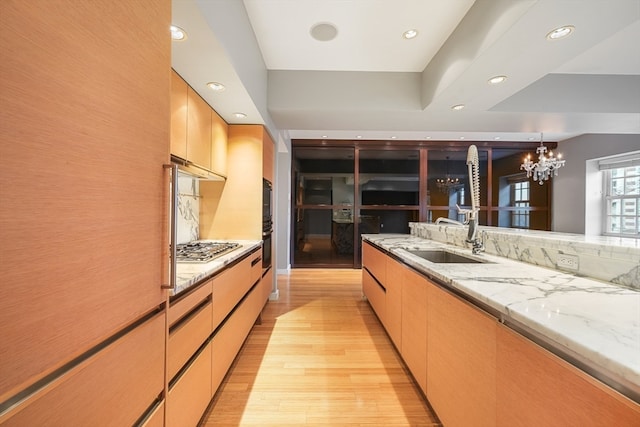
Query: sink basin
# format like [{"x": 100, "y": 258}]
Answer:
[{"x": 441, "y": 256}]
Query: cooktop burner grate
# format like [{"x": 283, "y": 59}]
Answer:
[{"x": 201, "y": 252}]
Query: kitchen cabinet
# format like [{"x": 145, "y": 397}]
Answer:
[
  {"x": 375, "y": 293},
  {"x": 535, "y": 387},
  {"x": 461, "y": 361},
  {"x": 219, "y": 136},
  {"x": 198, "y": 133},
  {"x": 393, "y": 300},
  {"x": 83, "y": 210},
  {"x": 230, "y": 287},
  {"x": 232, "y": 333},
  {"x": 118, "y": 384},
  {"x": 198, "y": 130},
  {"x": 179, "y": 105},
  {"x": 190, "y": 395},
  {"x": 234, "y": 210},
  {"x": 188, "y": 334},
  {"x": 414, "y": 312}
]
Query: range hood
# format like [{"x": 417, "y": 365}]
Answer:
[{"x": 195, "y": 170}]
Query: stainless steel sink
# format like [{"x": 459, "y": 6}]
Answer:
[{"x": 442, "y": 256}]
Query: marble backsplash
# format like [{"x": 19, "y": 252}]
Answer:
[
  {"x": 188, "y": 213},
  {"x": 615, "y": 260}
]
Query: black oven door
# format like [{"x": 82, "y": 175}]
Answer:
[{"x": 266, "y": 250}]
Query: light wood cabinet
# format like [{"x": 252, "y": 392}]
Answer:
[
  {"x": 268, "y": 149},
  {"x": 113, "y": 387},
  {"x": 229, "y": 288},
  {"x": 475, "y": 371},
  {"x": 231, "y": 335},
  {"x": 187, "y": 335},
  {"x": 461, "y": 361},
  {"x": 375, "y": 261},
  {"x": 179, "y": 91},
  {"x": 190, "y": 395},
  {"x": 393, "y": 314},
  {"x": 375, "y": 293},
  {"x": 535, "y": 387},
  {"x": 198, "y": 130},
  {"x": 414, "y": 324},
  {"x": 234, "y": 211},
  {"x": 219, "y": 136},
  {"x": 83, "y": 212}
]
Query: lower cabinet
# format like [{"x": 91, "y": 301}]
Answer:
[
  {"x": 375, "y": 293},
  {"x": 207, "y": 328},
  {"x": 474, "y": 370},
  {"x": 461, "y": 361},
  {"x": 535, "y": 387},
  {"x": 116, "y": 386},
  {"x": 414, "y": 320},
  {"x": 191, "y": 393}
]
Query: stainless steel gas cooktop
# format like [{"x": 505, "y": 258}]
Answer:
[{"x": 201, "y": 252}]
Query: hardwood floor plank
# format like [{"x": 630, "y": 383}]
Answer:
[{"x": 320, "y": 357}]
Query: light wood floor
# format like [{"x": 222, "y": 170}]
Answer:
[{"x": 320, "y": 357}]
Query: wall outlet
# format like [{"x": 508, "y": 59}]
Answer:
[{"x": 567, "y": 262}]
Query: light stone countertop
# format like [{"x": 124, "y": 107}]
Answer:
[
  {"x": 188, "y": 274},
  {"x": 595, "y": 322}
]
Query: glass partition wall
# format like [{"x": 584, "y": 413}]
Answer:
[{"x": 349, "y": 189}]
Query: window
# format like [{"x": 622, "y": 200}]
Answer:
[
  {"x": 622, "y": 201},
  {"x": 520, "y": 199}
]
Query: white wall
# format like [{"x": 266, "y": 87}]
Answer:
[
  {"x": 282, "y": 204},
  {"x": 570, "y": 189}
]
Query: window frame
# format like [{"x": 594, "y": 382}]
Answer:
[
  {"x": 519, "y": 214},
  {"x": 608, "y": 198}
]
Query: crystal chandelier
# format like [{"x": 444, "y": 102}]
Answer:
[
  {"x": 448, "y": 184},
  {"x": 546, "y": 167}
]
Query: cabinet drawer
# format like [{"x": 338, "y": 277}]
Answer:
[
  {"x": 190, "y": 395},
  {"x": 256, "y": 266},
  {"x": 182, "y": 306},
  {"x": 375, "y": 261},
  {"x": 230, "y": 337},
  {"x": 187, "y": 336},
  {"x": 229, "y": 288},
  {"x": 156, "y": 418},
  {"x": 91, "y": 394},
  {"x": 374, "y": 293}
]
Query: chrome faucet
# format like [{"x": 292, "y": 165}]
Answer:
[{"x": 473, "y": 165}]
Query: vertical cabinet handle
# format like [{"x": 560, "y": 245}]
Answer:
[{"x": 173, "y": 225}]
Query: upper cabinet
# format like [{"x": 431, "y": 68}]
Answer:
[
  {"x": 219, "y": 135},
  {"x": 198, "y": 133},
  {"x": 234, "y": 210},
  {"x": 179, "y": 91},
  {"x": 198, "y": 130},
  {"x": 267, "y": 157}
]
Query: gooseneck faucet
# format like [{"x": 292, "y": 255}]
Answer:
[{"x": 473, "y": 165}]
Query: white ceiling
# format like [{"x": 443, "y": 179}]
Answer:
[{"x": 370, "y": 82}]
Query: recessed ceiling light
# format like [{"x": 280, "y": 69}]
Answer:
[
  {"x": 324, "y": 136},
  {"x": 462, "y": 137},
  {"x": 497, "y": 80},
  {"x": 239, "y": 115},
  {"x": 458, "y": 107},
  {"x": 410, "y": 34},
  {"x": 215, "y": 86},
  {"x": 496, "y": 138},
  {"x": 428, "y": 137},
  {"x": 324, "y": 31},
  {"x": 359, "y": 136},
  {"x": 560, "y": 32},
  {"x": 178, "y": 34},
  {"x": 393, "y": 137},
  {"x": 531, "y": 138}
]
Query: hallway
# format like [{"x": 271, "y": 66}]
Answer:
[{"x": 320, "y": 357}]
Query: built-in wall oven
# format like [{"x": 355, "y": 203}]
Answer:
[{"x": 267, "y": 223}]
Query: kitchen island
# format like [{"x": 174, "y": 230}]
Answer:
[{"x": 591, "y": 324}]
